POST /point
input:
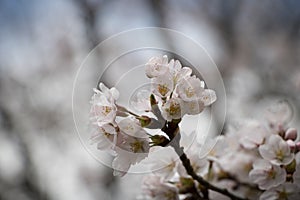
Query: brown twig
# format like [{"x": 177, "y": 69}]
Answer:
[{"x": 172, "y": 130}]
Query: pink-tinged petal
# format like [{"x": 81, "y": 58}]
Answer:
[{"x": 208, "y": 97}]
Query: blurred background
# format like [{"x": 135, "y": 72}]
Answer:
[{"x": 255, "y": 44}]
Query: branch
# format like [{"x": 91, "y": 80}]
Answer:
[{"x": 187, "y": 165}]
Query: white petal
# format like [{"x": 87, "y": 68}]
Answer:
[{"x": 208, "y": 97}]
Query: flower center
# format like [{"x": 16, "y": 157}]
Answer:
[
  {"x": 271, "y": 174},
  {"x": 189, "y": 92},
  {"x": 174, "y": 108},
  {"x": 163, "y": 89},
  {"x": 137, "y": 146},
  {"x": 280, "y": 155},
  {"x": 106, "y": 110}
]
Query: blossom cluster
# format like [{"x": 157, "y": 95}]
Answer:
[
  {"x": 180, "y": 91},
  {"x": 125, "y": 137},
  {"x": 255, "y": 160},
  {"x": 175, "y": 92},
  {"x": 258, "y": 159}
]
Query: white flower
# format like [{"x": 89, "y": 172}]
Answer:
[
  {"x": 279, "y": 114},
  {"x": 213, "y": 148},
  {"x": 103, "y": 109},
  {"x": 172, "y": 109},
  {"x": 192, "y": 147},
  {"x": 237, "y": 163},
  {"x": 164, "y": 162},
  {"x": 162, "y": 86},
  {"x": 252, "y": 134},
  {"x": 192, "y": 107},
  {"x": 132, "y": 127},
  {"x": 141, "y": 100},
  {"x": 156, "y": 189},
  {"x": 296, "y": 174},
  {"x": 111, "y": 94},
  {"x": 157, "y": 66},
  {"x": 200, "y": 166},
  {"x": 130, "y": 151},
  {"x": 208, "y": 97},
  {"x": 267, "y": 175},
  {"x": 276, "y": 150},
  {"x": 195, "y": 97},
  {"x": 177, "y": 71},
  {"x": 189, "y": 89},
  {"x": 181, "y": 74},
  {"x": 286, "y": 191},
  {"x": 104, "y": 136}
]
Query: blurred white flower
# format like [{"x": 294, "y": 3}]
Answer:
[
  {"x": 200, "y": 166},
  {"x": 286, "y": 191},
  {"x": 164, "y": 163},
  {"x": 192, "y": 107},
  {"x": 252, "y": 134},
  {"x": 237, "y": 163},
  {"x": 214, "y": 148},
  {"x": 276, "y": 150},
  {"x": 104, "y": 136},
  {"x": 141, "y": 101},
  {"x": 129, "y": 151},
  {"x": 279, "y": 114},
  {"x": 172, "y": 109},
  {"x": 157, "y": 66},
  {"x": 132, "y": 127},
  {"x": 267, "y": 175},
  {"x": 156, "y": 189},
  {"x": 104, "y": 109},
  {"x": 296, "y": 174}
]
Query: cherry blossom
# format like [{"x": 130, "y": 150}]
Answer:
[
  {"x": 104, "y": 109},
  {"x": 286, "y": 191},
  {"x": 164, "y": 163},
  {"x": 296, "y": 174},
  {"x": 104, "y": 136},
  {"x": 129, "y": 151},
  {"x": 156, "y": 189},
  {"x": 252, "y": 134},
  {"x": 267, "y": 175},
  {"x": 192, "y": 107},
  {"x": 162, "y": 86},
  {"x": 278, "y": 115},
  {"x": 157, "y": 66},
  {"x": 172, "y": 109},
  {"x": 276, "y": 150}
]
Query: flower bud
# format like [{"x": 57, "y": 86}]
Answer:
[
  {"x": 298, "y": 146},
  {"x": 291, "y": 134},
  {"x": 144, "y": 120},
  {"x": 291, "y": 144},
  {"x": 159, "y": 140}
]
